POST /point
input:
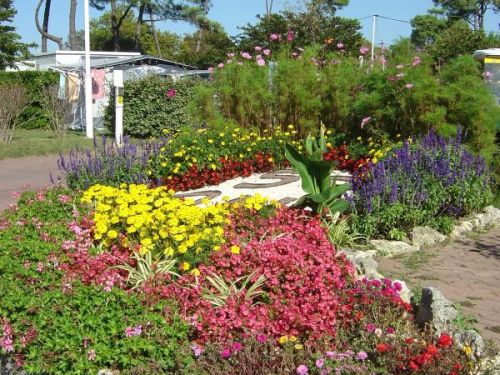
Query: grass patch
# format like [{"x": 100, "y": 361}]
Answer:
[
  {"x": 41, "y": 142},
  {"x": 416, "y": 260}
]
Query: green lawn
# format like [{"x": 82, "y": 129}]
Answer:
[{"x": 41, "y": 142}]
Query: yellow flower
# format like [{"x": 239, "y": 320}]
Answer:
[
  {"x": 270, "y": 160},
  {"x": 283, "y": 340},
  {"x": 290, "y": 126},
  {"x": 467, "y": 350},
  {"x": 112, "y": 234},
  {"x": 398, "y": 135},
  {"x": 374, "y": 160},
  {"x": 359, "y": 139},
  {"x": 195, "y": 272},
  {"x": 235, "y": 249},
  {"x": 185, "y": 266},
  {"x": 328, "y": 132},
  {"x": 299, "y": 346},
  {"x": 292, "y": 338}
]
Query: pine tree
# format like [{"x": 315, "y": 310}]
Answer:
[{"x": 10, "y": 46}]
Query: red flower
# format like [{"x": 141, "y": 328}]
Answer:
[
  {"x": 382, "y": 348},
  {"x": 444, "y": 341}
]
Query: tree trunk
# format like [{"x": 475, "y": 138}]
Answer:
[
  {"x": 204, "y": 5},
  {"x": 155, "y": 34},
  {"x": 117, "y": 23},
  {"x": 45, "y": 26},
  {"x": 73, "y": 42},
  {"x": 44, "y": 33},
  {"x": 138, "y": 26}
]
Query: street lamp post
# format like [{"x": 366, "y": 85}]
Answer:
[{"x": 89, "y": 120}]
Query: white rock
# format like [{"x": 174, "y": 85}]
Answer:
[
  {"x": 461, "y": 229},
  {"x": 426, "y": 236},
  {"x": 436, "y": 311},
  {"x": 365, "y": 265},
  {"x": 392, "y": 248}
]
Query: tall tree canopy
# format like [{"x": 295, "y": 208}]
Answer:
[
  {"x": 315, "y": 22},
  {"x": 10, "y": 46},
  {"x": 471, "y": 11}
]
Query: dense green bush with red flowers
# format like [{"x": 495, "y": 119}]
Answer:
[{"x": 275, "y": 296}]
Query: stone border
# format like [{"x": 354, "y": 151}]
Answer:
[{"x": 426, "y": 236}]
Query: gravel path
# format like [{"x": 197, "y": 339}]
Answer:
[{"x": 465, "y": 271}]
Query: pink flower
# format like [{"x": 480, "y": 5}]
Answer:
[
  {"x": 340, "y": 45},
  {"x": 261, "y": 338},
  {"x": 320, "y": 362},
  {"x": 196, "y": 350},
  {"x": 39, "y": 267},
  {"x": 211, "y": 69},
  {"x": 230, "y": 55},
  {"x": 409, "y": 86},
  {"x": 171, "y": 93},
  {"x": 302, "y": 370},
  {"x": 226, "y": 353},
  {"x": 364, "y": 50},
  {"x": 290, "y": 36},
  {"x": 229, "y": 61},
  {"x": 274, "y": 36},
  {"x": 487, "y": 75},
  {"x": 246, "y": 55},
  {"x": 258, "y": 48},
  {"x": 400, "y": 66},
  {"x": 91, "y": 355},
  {"x": 370, "y": 327},
  {"x": 261, "y": 62},
  {"x": 63, "y": 198},
  {"x": 416, "y": 61},
  {"x": 365, "y": 121},
  {"x": 220, "y": 66},
  {"x": 266, "y": 52},
  {"x": 361, "y": 355},
  {"x": 390, "y": 330},
  {"x": 133, "y": 331},
  {"x": 236, "y": 347},
  {"x": 239, "y": 63}
]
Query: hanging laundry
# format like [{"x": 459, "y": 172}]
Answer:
[
  {"x": 98, "y": 83},
  {"x": 62, "y": 86},
  {"x": 73, "y": 87}
]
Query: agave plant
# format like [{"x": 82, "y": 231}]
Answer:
[
  {"x": 239, "y": 287},
  {"x": 315, "y": 173},
  {"x": 147, "y": 269}
]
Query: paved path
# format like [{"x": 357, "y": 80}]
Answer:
[
  {"x": 24, "y": 173},
  {"x": 466, "y": 272}
]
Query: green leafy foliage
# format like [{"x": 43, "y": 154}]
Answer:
[
  {"x": 315, "y": 175},
  {"x": 154, "y": 105},
  {"x": 65, "y": 323},
  {"x": 36, "y": 83}
]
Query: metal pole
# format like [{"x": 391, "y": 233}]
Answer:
[
  {"x": 374, "y": 23},
  {"x": 89, "y": 120}
]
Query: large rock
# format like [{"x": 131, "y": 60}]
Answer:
[
  {"x": 365, "y": 265},
  {"x": 8, "y": 366},
  {"x": 472, "y": 339},
  {"x": 393, "y": 248},
  {"x": 436, "y": 311},
  {"x": 426, "y": 236},
  {"x": 461, "y": 229}
]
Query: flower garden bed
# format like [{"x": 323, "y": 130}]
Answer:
[
  {"x": 130, "y": 277},
  {"x": 265, "y": 284}
]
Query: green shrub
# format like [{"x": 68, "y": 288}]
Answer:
[
  {"x": 35, "y": 83},
  {"x": 149, "y": 109},
  {"x": 406, "y": 96}
]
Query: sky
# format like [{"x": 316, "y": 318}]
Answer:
[{"x": 234, "y": 13}]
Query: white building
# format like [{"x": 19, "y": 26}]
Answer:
[{"x": 71, "y": 67}]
